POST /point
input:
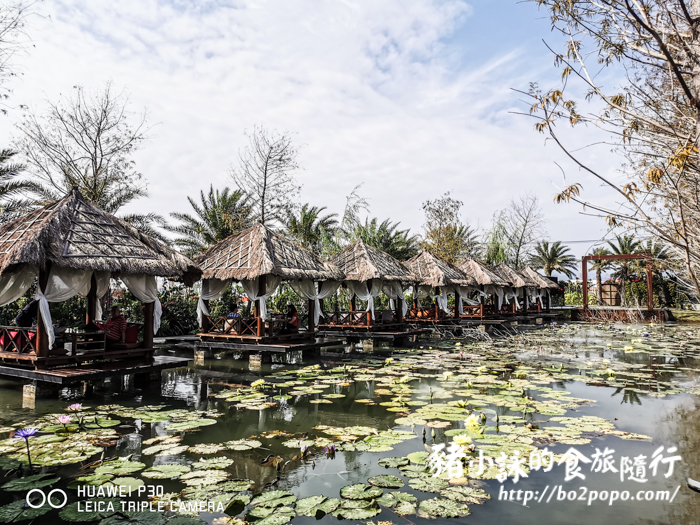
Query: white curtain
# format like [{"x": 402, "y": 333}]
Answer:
[
  {"x": 212, "y": 290},
  {"x": 509, "y": 294},
  {"x": 145, "y": 288},
  {"x": 102, "y": 280},
  {"x": 306, "y": 289},
  {"x": 394, "y": 291},
  {"x": 13, "y": 285},
  {"x": 364, "y": 293},
  {"x": 497, "y": 291},
  {"x": 251, "y": 288},
  {"x": 442, "y": 300},
  {"x": 423, "y": 291},
  {"x": 464, "y": 292},
  {"x": 62, "y": 284}
]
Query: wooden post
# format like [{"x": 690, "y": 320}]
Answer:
[
  {"x": 650, "y": 288},
  {"x": 584, "y": 284},
  {"x": 42, "y": 338},
  {"x": 91, "y": 311},
  {"x": 481, "y": 311},
  {"x": 261, "y": 291},
  {"x": 456, "y": 304},
  {"x": 437, "y": 306},
  {"x": 205, "y": 319},
  {"x": 353, "y": 305},
  {"x": 398, "y": 310},
  {"x": 148, "y": 325},
  {"x": 312, "y": 308}
]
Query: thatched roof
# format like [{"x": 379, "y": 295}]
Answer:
[
  {"x": 541, "y": 280},
  {"x": 430, "y": 270},
  {"x": 516, "y": 279},
  {"x": 76, "y": 234},
  {"x": 360, "y": 262},
  {"x": 258, "y": 251},
  {"x": 481, "y": 273}
]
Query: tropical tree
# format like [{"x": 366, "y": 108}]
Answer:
[
  {"x": 445, "y": 235},
  {"x": 11, "y": 186},
  {"x": 624, "y": 245},
  {"x": 387, "y": 237},
  {"x": 265, "y": 173},
  {"x": 553, "y": 257},
  {"x": 496, "y": 246},
  {"x": 217, "y": 215},
  {"x": 599, "y": 267},
  {"x": 309, "y": 226}
]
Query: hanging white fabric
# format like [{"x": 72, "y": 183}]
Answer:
[
  {"x": 251, "y": 288},
  {"x": 442, "y": 300},
  {"x": 464, "y": 292},
  {"x": 145, "y": 288},
  {"x": 212, "y": 290},
  {"x": 102, "y": 280},
  {"x": 61, "y": 285},
  {"x": 307, "y": 289},
  {"x": 497, "y": 291},
  {"x": 14, "y": 285},
  {"x": 423, "y": 291},
  {"x": 365, "y": 293},
  {"x": 509, "y": 294},
  {"x": 393, "y": 290}
]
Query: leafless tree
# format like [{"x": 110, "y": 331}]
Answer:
[
  {"x": 523, "y": 226},
  {"x": 265, "y": 174},
  {"x": 651, "y": 118},
  {"x": 13, "y": 40}
]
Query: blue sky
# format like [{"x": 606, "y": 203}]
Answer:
[{"x": 408, "y": 98}]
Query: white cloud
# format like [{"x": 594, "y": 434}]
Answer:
[{"x": 375, "y": 90}]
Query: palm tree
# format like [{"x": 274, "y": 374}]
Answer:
[
  {"x": 624, "y": 245},
  {"x": 218, "y": 215},
  {"x": 553, "y": 258},
  {"x": 387, "y": 237},
  {"x": 600, "y": 266},
  {"x": 309, "y": 227},
  {"x": 11, "y": 186}
]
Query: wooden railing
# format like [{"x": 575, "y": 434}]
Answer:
[
  {"x": 473, "y": 311},
  {"x": 20, "y": 340},
  {"x": 348, "y": 319},
  {"x": 420, "y": 313},
  {"x": 246, "y": 326}
]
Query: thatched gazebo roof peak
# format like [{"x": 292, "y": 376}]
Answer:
[
  {"x": 516, "y": 278},
  {"x": 74, "y": 233},
  {"x": 431, "y": 270},
  {"x": 481, "y": 273},
  {"x": 258, "y": 251},
  {"x": 362, "y": 262},
  {"x": 541, "y": 280}
]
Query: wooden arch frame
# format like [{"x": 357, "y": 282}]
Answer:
[{"x": 637, "y": 256}]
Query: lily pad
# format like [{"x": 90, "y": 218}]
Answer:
[
  {"x": 428, "y": 484},
  {"x": 274, "y": 498},
  {"x": 165, "y": 471},
  {"x": 360, "y": 491},
  {"x": 443, "y": 508},
  {"x": 316, "y": 506},
  {"x": 393, "y": 462},
  {"x": 386, "y": 481},
  {"x": 30, "y": 482}
]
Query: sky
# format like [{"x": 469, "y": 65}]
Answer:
[{"x": 408, "y": 99}]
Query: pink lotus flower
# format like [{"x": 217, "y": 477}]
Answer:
[
  {"x": 64, "y": 420},
  {"x": 75, "y": 407}
]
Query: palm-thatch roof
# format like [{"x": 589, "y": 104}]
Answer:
[
  {"x": 430, "y": 270},
  {"x": 361, "y": 262},
  {"x": 541, "y": 280},
  {"x": 516, "y": 279},
  {"x": 74, "y": 233},
  {"x": 258, "y": 251},
  {"x": 481, "y": 273}
]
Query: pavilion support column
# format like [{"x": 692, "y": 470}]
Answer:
[
  {"x": 650, "y": 287},
  {"x": 262, "y": 285},
  {"x": 584, "y": 284},
  {"x": 148, "y": 325},
  {"x": 353, "y": 303},
  {"x": 398, "y": 312},
  {"x": 42, "y": 338},
  {"x": 312, "y": 308},
  {"x": 456, "y": 304},
  {"x": 205, "y": 319},
  {"x": 91, "y": 312}
]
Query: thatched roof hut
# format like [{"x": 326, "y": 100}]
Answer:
[
  {"x": 481, "y": 273},
  {"x": 541, "y": 280},
  {"x": 258, "y": 251},
  {"x": 74, "y": 233},
  {"x": 361, "y": 262},
  {"x": 430, "y": 270},
  {"x": 515, "y": 278}
]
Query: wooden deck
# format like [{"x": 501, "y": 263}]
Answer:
[
  {"x": 261, "y": 347},
  {"x": 380, "y": 336},
  {"x": 77, "y": 374}
]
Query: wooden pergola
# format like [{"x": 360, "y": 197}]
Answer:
[{"x": 631, "y": 256}]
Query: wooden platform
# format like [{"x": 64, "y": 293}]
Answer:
[
  {"x": 77, "y": 374},
  {"x": 380, "y": 336},
  {"x": 309, "y": 344}
]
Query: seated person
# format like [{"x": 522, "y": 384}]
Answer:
[
  {"x": 234, "y": 312},
  {"x": 26, "y": 318},
  {"x": 292, "y": 326},
  {"x": 115, "y": 327},
  {"x": 231, "y": 318},
  {"x": 387, "y": 316}
]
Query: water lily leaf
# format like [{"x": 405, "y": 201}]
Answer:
[
  {"x": 128, "y": 483},
  {"x": 186, "y": 520},
  {"x": 297, "y": 443},
  {"x": 357, "y": 514},
  {"x": 278, "y": 518},
  {"x": 242, "y": 444},
  {"x": 316, "y": 506},
  {"x": 274, "y": 498},
  {"x": 386, "y": 481},
  {"x": 20, "y": 511},
  {"x": 134, "y": 518},
  {"x": 101, "y": 423},
  {"x": 465, "y": 494},
  {"x": 205, "y": 448},
  {"x": 119, "y": 467},
  {"x": 94, "y": 479},
  {"x": 165, "y": 471},
  {"x": 428, "y": 484},
  {"x": 204, "y": 477},
  {"x": 360, "y": 491},
  {"x": 212, "y": 463},
  {"x": 190, "y": 425},
  {"x": 418, "y": 458},
  {"x": 91, "y": 510},
  {"x": 391, "y": 499},
  {"x": 393, "y": 462},
  {"x": 30, "y": 482},
  {"x": 405, "y": 508},
  {"x": 442, "y": 508}
]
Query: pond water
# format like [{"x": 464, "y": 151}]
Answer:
[{"x": 611, "y": 396}]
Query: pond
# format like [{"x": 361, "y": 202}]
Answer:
[{"x": 588, "y": 423}]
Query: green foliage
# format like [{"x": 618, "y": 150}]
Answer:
[
  {"x": 387, "y": 237},
  {"x": 553, "y": 258},
  {"x": 11, "y": 186},
  {"x": 445, "y": 235},
  {"x": 310, "y": 228}
]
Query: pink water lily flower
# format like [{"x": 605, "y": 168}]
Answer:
[
  {"x": 75, "y": 407},
  {"x": 64, "y": 420}
]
